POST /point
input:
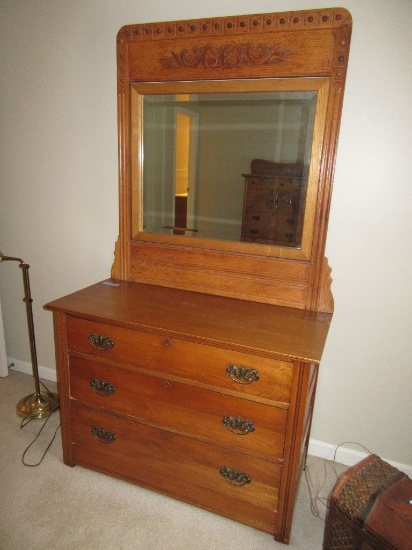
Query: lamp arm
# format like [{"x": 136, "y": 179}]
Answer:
[{"x": 4, "y": 258}]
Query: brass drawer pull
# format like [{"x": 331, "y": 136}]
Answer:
[
  {"x": 232, "y": 476},
  {"x": 102, "y": 387},
  {"x": 103, "y": 435},
  {"x": 238, "y": 426},
  {"x": 100, "y": 342},
  {"x": 242, "y": 375}
]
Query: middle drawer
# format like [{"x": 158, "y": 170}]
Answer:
[{"x": 225, "y": 419}]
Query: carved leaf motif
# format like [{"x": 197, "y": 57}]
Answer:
[{"x": 228, "y": 56}]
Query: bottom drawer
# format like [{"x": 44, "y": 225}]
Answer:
[{"x": 194, "y": 471}]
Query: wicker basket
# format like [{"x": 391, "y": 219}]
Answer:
[{"x": 370, "y": 509}]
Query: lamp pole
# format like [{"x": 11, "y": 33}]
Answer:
[{"x": 40, "y": 403}]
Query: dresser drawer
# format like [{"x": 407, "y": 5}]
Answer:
[
  {"x": 236, "y": 485},
  {"x": 259, "y": 183},
  {"x": 251, "y": 375},
  {"x": 259, "y": 216},
  {"x": 257, "y": 232},
  {"x": 224, "y": 419}
]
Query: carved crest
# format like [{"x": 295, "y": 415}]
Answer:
[{"x": 229, "y": 56}]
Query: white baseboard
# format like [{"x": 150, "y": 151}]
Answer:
[
  {"x": 346, "y": 456},
  {"x": 45, "y": 373}
]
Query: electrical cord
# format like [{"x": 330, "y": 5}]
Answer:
[
  {"x": 25, "y": 421},
  {"x": 316, "y": 500}
]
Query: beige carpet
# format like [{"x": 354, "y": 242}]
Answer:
[{"x": 60, "y": 508}]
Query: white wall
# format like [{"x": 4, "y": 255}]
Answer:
[{"x": 58, "y": 191}]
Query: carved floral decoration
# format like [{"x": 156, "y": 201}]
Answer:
[{"x": 229, "y": 56}]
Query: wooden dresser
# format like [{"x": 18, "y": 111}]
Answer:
[
  {"x": 204, "y": 398},
  {"x": 192, "y": 371}
]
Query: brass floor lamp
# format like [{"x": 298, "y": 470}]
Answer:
[{"x": 40, "y": 403}]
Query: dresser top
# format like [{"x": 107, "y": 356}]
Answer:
[{"x": 265, "y": 329}]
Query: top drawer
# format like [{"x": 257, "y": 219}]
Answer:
[{"x": 244, "y": 373}]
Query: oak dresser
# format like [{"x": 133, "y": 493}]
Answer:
[{"x": 205, "y": 398}]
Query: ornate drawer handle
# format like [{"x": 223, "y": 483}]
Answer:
[
  {"x": 238, "y": 426},
  {"x": 242, "y": 375},
  {"x": 100, "y": 342},
  {"x": 103, "y": 435},
  {"x": 102, "y": 387},
  {"x": 232, "y": 476}
]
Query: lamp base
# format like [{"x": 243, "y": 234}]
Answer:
[{"x": 38, "y": 406}]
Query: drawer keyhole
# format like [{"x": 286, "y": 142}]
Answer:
[{"x": 166, "y": 384}]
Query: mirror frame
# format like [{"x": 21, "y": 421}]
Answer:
[
  {"x": 320, "y": 85},
  {"x": 276, "y": 51}
]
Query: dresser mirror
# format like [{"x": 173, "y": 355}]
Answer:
[
  {"x": 242, "y": 210},
  {"x": 198, "y": 147}
]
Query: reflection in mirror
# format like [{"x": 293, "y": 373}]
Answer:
[{"x": 231, "y": 166}]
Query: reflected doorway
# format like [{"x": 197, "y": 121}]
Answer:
[{"x": 185, "y": 176}]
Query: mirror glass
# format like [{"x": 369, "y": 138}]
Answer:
[
  {"x": 227, "y": 164},
  {"x": 230, "y": 166}
]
